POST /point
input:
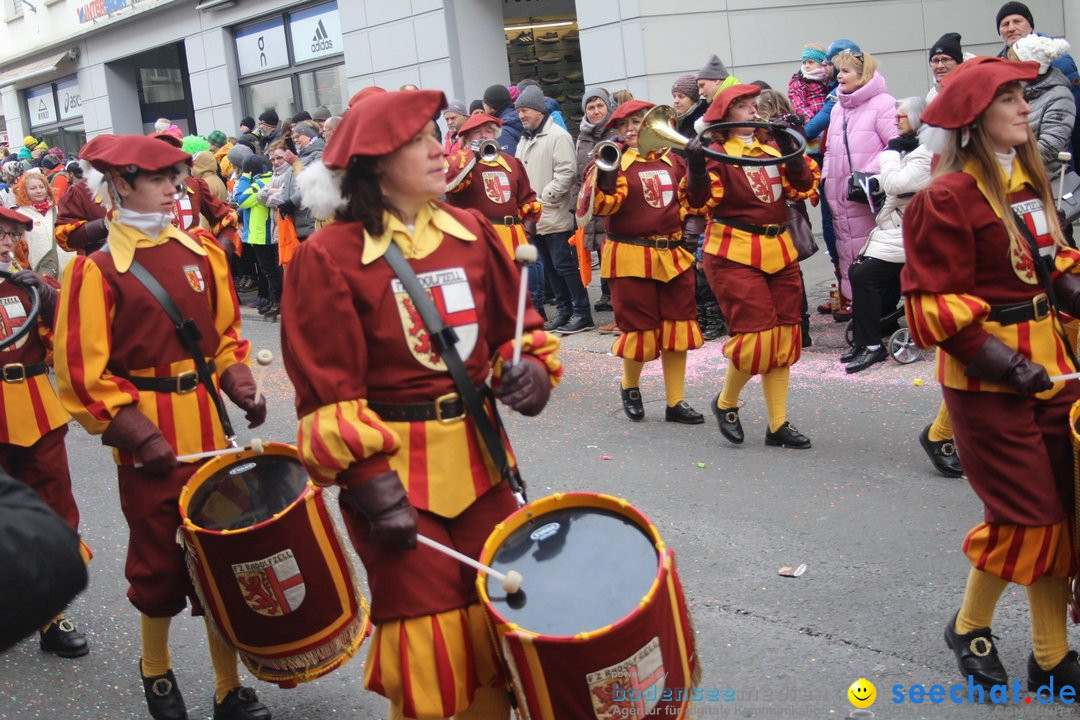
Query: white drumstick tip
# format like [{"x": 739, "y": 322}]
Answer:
[
  {"x": 256, "y": 446},
  {"x": 264, "y": 357},
  {"x": 1064, "y": 156},
  {"x": 525, "y": 254},
  {"x": 512, "y": 582}
]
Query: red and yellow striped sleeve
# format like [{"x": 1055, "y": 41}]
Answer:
[
  {"x": 716, "y": 194},
  {"x": 229, "y": 220},
  {"x": 530, "y": 210},
  {"x": 933, "y": 318},
  {"x": 605, "y": 204},
  {"x": 82, "y": 347},
  {"x": 63, "y": 231},
  {"x": 336, "y": 436},
  {"x": 1067, "y": 260},
  {"x": 232, "y": 348},
  {"x": 539, "y": 344},
  {"x": 791, "y": 192},
  {"x": 456, "y": 162}
]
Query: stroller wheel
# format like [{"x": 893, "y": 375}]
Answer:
[{"x": 902, "y": 348}]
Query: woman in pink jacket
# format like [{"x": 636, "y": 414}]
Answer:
[{"x": 860, "y": 126}]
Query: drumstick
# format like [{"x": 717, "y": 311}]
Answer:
[
  {"x": 1064, "y": 157},
  {"x": 1060, "y": 378},
  {"x": 255, "y": 446},
  {"x": 263, "y": 358},
  {"x": 511, "y": 581},
  {"x": 524, "y": 254}
]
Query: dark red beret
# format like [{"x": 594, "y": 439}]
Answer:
[
  {"x": 628, "y": 108},
  {"x": 139, "y": 152},
  {"x": 969, "y": 89},
  {"x": 94, "y": 142},
  {"x": 169, "y": 138},
  {"x": 726, "y": 99},
  {"x": 381, "y": 123},
  {"x": 16, "y": 217},
  {"x": 365, "y": 92},
  {"x": 476, "y": 121}
]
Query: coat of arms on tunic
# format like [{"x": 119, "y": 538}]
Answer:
[
  {"x": 496, "y": 186},
  {"x": 450, "y": 291},
  {"x": 12, "y": 317},
  {"x": 272, "y": 586},
  {"x": 185, "y": 214},
  {"x": 765, "y": 182},
  {"x": 1033, "y": 216},
  {"x": 194, "y": 276},
  {"x": 657, "y": 187}
]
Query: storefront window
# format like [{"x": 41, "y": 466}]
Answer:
[
  {"x": 274, "y": 95},
  {"x": 327, "y": 86}
]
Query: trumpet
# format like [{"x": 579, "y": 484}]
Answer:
[
  {"x": 488, "y": 151},
  {"x": 607, "y": 154}
]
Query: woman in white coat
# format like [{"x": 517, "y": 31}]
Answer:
[{"x": 37, "y": 201}]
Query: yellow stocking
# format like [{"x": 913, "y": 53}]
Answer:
[
  {"x": 223, "y": 657},
  {"x": 774, "y": 385},
  {"x": 631, "y": 373},
  {"x": 734, "y": 381},
  {"x": 941, "y": 429},
  {"x": 674, "y": 364},
  {"x": 1047, "y": 599},
  {"x": 155, "y": 645},
  {"x": 980, "y": 599}
]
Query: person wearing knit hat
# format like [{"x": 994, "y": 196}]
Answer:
[
  {"x": 498, "y": 104},
  {"x": 454, "y": 115},
  {"x": 945, "y": 55},
  {"x": 103, "y": 309},
  {"x": 532, "y": 97},
  {"x": 321, "y": 114},
  {"x": 688, "y": 103},
  {"x": 247, "y": 125},
  {"x": 1014, "y": 21},
  {"x": 1053, "y": 109},
  {"x": 1011, "y": 421},
  {"x": 269, "y": 119},
  {"x": 713, "y": 78},
  {"x": 476, "y": 106},
  {"x": 355, "y": 342},
  {"x": 750, "y": 259},
  {"x": 596, "y": 108}
]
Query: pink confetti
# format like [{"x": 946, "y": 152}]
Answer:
[{"x": 605, "y": 457}]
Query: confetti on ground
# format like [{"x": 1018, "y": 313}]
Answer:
[
  {"x": 917, "y": 382},
  {"x": 605, "y": 457},
  {"x": 702, "y": 465}
]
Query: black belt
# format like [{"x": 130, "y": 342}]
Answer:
[
  {"x": 18, "y": 372},
  {"x": 448, "y": 408},
  {"x": 505, "y": 220},
  {"x": 1036, "y": 308},
  {"x": 660, "y": 242},
  {"x": 181, "y": 384},
  {"x": 766, "y": 230}
]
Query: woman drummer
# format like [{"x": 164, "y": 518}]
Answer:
[
  {"x": 974, "y": 287},
  {"x": 379, "y": 414},
  {"x": 750, "y": 259},
  {"x": 649, "y": 271}
]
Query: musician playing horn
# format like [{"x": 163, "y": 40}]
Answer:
[
  {"x": 750, "y": 259},
  {"x": 124, "y": 373},
  {"x": 649, "y": 271},
  {"x": 381, "y": 416},
  {"x": 496, "y": 185}
]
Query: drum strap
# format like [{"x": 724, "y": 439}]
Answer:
[
  {"x": 189, "y": 335},
  {"x": 444, "y": 340}
]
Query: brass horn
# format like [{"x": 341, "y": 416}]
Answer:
[
  {"x": 608, "y": 155},
  {"x": 657, "y": 131},
  {"x": 488, "y": 151}
]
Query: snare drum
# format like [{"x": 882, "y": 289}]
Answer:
[
  {"x": 601, "y": 628},
  {"x": 269, "y": 566}
]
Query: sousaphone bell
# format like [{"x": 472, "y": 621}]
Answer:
[{"x": 657, "y": 133}]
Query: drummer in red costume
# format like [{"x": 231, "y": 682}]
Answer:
[
  {"x": 974, "y": 288},
  {"x": 379, "y": 413},
  {"x": 33, "y": 423},
  {"x": 124, "y": 374},
  {"x": 750, "y": 259},
  {"x": 498, "y": 188},
  {"x": 80, "y": 217},
  {"x": 648, "y": 269}
]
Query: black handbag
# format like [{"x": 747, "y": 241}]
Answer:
[
  {"x": 1068, "y": 199},
  {"x": 802, "y": 235},
  {"x": 862, "y": 187}
]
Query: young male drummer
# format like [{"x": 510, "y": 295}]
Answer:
[
  {"x": 124, "y": 374},
  {"x": 33, "y": 423},
  {"x": 498, "y": 188},
  {"x": 649, "y": 272}
]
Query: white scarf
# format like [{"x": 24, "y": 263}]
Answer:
[{"x": 149, "y": 224}]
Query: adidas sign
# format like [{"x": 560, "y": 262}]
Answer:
[{"x": 321, "y": 42}]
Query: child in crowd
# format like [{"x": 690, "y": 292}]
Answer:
[{"x": 808, "y": 88}]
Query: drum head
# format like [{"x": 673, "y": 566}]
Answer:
[
  {"x": 247, "y": 492},
  {"x": 584, "y": 569}
]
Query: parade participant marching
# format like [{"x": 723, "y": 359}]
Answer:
[
  {"x": 985, "y": 260},
  {"x": 125, "y": 373},
  {"x": 750, "y": 259},
  {"x": 80, "y": 220},
  {"x": 379, "y": 413},
  {"x": 649, "y": 271},
  {"x": 496, "y": 185},
  {"x": 33, "y": 423}
]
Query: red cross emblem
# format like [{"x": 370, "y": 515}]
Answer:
[
  {"x": 496, "y": 186},
  {"x": 765, "y": 182},
  {"x": 272, "y": 586},
  {"x": 184, "y": 215},
  {"x": 657, "y": 187},
  {"x": 12, "y": 317},
  {"x": 449, "y": 289}
]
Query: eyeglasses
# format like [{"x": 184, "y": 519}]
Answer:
[
  {"x": 942, "y": 61},
  {"x": 853, "y": 53},
  {"x": 10, "y": 234}
]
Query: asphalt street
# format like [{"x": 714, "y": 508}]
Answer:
[{"x": 877, "y": 528}]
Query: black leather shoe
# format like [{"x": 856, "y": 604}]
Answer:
[
  {"x": 241, "y": 704},
  {"x": 942, "y": 455},
  {"x": 976, "y": 655},
  {"x": 603, "y": 304},
  {"x": 787, "y": 437},
  {"x": 559, "y": 320},
  {"x": 730, "y": 427},
  {"x": 631, "y": 403},
  {"x": 62, "y": 639},
  {"x": 851, "y": 354},
  {"x": 683, "y": 413},
  {"x": 866, "y": 358},
  {"x": 163, "y": 698},
  {"x": 1066, "y": 672}
]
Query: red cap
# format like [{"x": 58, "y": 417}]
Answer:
[
  {"x": 726, "y": 99},
  {"x": 628, "y": 108},
  {"x": 8, "y": 214},
  {"x": 969, "y": 89},
  {"x": 381, "y": 124},
  {"x": 476, "y": 121},
  {"x": 93, "y": 143},
  {"x": 139, "y": 152},
  {"x": 169, "y": 138},
  {"x": 365, "y": 92}
]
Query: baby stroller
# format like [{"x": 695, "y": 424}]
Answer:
[{"x": 895, "y": 337}]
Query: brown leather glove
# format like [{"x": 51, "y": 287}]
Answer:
[
  {"x": 525, "y": 387},
  {"x": 47, "y": 293},
  {"x": 96, "y": 230},
  {"x": 695, "y": 157},
  {"x": 239, "y": 384},
  {"x": 132, "y": 431},
  {"x": 383, "y": 502},
  {"x": 997, "y": 362},
  {"x": 1067, "y": 290}
]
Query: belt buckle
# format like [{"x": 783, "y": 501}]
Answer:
[
  {"x": 1037, "y": 313},
  {"x": 509, "y": 220},
  {"x": 663, "y": 243},
  {"x": 773, "y": 230},
  {"x": 189, "y": 375},
  {"x": 18, "y": 376},
  {"x": 448, "y": 397}
]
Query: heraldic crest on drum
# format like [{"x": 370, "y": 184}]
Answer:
[
  {"x": 449, "y": 290},
  {"x": 272, "y": 586},
  {"x": 630, "y": 687}
]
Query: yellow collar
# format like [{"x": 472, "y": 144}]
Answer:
[
  {"x": 1015, "y": 183},
  {"x": 735, "y": 146},
  {"x": 124, "y": 240},
  {"x": 426, "y": 235},
  {"x": 631, "y": 155},
  {"x": 500, "y": 161}
]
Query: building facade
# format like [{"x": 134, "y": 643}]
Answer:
[{"x": 70, "y": 69}]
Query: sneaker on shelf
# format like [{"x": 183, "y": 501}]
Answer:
[
  {"x": 560, "y": 98},
  {"x": 573, "y": 75},
  {"x": 525, "y": 37},
  {"x": 549, "y": 37},
  {"x": 551, "y": 58},
  {"x": 550, "y": 78},
  {"x": 575, "y": 95},
  {"x": 571, "y": 36},
  {"x": 528, "y": 59}
]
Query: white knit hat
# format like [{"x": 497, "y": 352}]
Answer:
[{"x": 1042, "y": 50}]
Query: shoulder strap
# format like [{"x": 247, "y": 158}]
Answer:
[
  {"x": 851, "y": 165},
  {"x": 189, "y": 335},
  {"x": 444, "y": 340}
]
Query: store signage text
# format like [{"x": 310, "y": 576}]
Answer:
[
  {"x": 41, "y": 106},
  {"x": 67, "y": 91},
  {"x": 262, "y": 47},
  {"x": 97, "y": 9},
  {"x": 316, "y": 32}
]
